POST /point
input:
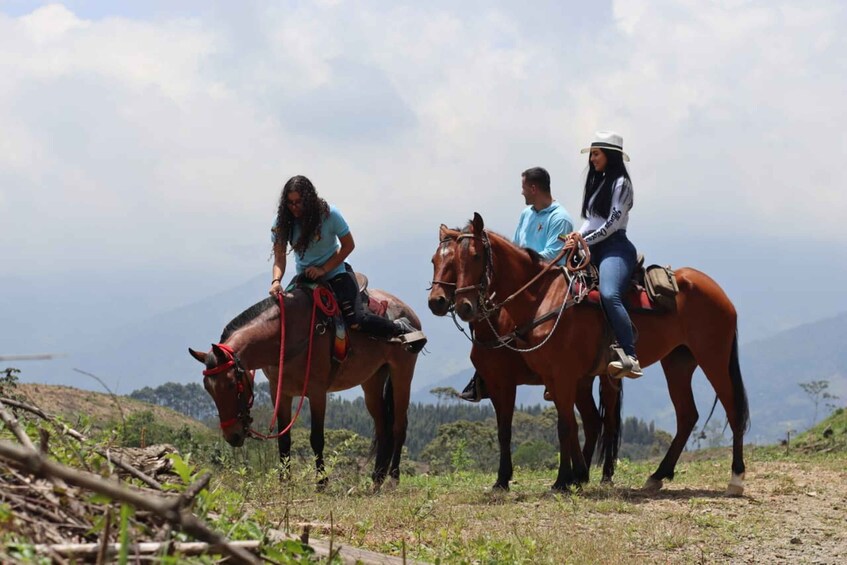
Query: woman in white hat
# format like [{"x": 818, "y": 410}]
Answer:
[{"x": 605, "y": 206}]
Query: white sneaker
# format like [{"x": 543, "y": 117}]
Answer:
[{"x": 628, "y": 367}]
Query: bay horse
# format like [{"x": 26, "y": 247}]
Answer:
[
  {"x": 701, "y": 331},
  {"x": 502, "y": 369},
  {"x": 251, "y": 341}
]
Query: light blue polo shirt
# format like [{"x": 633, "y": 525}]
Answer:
[
  {"x": 540, "y": 230},
  {"x": 324, "y": 246}
]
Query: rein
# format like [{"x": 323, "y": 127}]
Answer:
[
  {"x": 482, "y": 286},
  {"x": 487, "y": 310},
  {"x": 322, "y": 298}
]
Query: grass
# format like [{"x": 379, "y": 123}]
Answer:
[{"x": 458, "y": 519}]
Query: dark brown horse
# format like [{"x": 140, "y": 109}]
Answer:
[
  {"x": 252, "y": 341},
  {"x": 700, "y": 332},
  {"x": 502, "y": 369}
]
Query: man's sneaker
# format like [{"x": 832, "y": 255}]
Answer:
[
  {"x": 413, "y": 338},
  {"x": 628, "y": 366},
  {"x": 475, "y": 390},
  {"x": 470, "y": 392}
]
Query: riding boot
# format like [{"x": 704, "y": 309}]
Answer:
[{"x": 414, "y": 339}]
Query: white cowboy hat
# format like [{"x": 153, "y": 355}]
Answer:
[{"x": 607, "y": 140}]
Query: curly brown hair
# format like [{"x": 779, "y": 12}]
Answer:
[{"x": 315, "y": 210}]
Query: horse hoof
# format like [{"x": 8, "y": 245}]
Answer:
[
  {"x": 500, "y": 487},
  {"x": 736, "y": 485},
  {"x": 653, "y": 485},
  {"x": 607, "y": 482}
]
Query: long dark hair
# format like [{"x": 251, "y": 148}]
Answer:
[
  {"x": 315, "y": 210},
  {"x": 603, "y": 183}
]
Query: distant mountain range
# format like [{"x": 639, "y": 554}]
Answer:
[
  {"x": 154, "y": 351},
  {"x": 772, "y": 368}
]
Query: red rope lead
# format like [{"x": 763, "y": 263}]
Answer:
[{"x": 322, "y": 298}]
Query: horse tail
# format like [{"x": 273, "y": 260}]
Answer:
[
  {"x": 387, "y": 414},
  {"x": 610, "y": 440},
  {"x": 388, "y": 409},
  {"x": 742, "y": 409}
]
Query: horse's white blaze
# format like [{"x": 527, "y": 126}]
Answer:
[
  {"x": 736, "y": 485},
  {"x": 445, "y": 249}
]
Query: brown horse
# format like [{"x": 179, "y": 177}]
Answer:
[
  {"x": 252, "y": 341},
  {"x": 700, "y": 332},
  {"x": 502, "y": 369}
]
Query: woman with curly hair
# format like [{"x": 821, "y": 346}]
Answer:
[{"x": 320, "y": 240}]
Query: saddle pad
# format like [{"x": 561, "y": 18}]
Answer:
[
  {"x": 636, "y": 299},
  {"x": 341, "y": 340},
  {"x": 378, "y": 307}
]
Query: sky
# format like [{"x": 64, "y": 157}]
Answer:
[{"x": 143, "y": 145}]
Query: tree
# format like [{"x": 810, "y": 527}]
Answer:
[
  {"x": 447, "y": 393},
  {"x": 817, "y": 391}
]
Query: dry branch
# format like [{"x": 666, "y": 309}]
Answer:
[
  {"x": 168, "y": 509},
  {"x": 138, "y": 474}
]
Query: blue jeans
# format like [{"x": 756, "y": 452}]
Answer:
[{"x": 615, "y": 258}]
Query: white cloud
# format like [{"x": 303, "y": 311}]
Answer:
[{"x": 171, "y": 137}]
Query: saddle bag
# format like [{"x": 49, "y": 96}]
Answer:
[{"x": 661, "y": 286}]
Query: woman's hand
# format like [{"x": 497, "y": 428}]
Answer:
[
  {"x": 315, "y": 273},
  {"x": 570, "y": 242},
  {"x": 276, "y": 288}
]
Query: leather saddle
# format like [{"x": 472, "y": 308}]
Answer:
[{"x": 637, "y": 297}]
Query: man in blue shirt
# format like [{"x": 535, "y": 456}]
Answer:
[{"x": 539, "y": 227}]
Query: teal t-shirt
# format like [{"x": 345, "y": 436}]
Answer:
[
  {"x": 324, "y": 246},
  {"x": 540, "y": 230}
]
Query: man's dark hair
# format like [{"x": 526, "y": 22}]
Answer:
[{"x": 539, "y": 177}]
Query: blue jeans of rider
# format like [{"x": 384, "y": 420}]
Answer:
[{"x": 615, "y": 258}]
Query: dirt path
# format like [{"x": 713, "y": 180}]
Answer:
[{"x": 793, "y": 512}]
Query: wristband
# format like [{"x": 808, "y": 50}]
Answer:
[{"x": 276, "y": 280}]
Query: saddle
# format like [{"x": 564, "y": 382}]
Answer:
[
  {"x": 336, "y": 323},
  {"x": 651, "y": 289},
  {"x": 378, "y": 307}
]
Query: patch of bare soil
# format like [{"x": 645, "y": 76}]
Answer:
[{"x": 792, "y": 512}]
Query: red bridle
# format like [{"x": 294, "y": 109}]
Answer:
[{"x": 245, "y": 403}]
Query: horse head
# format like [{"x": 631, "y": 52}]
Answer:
[
  {"x": 441, "y": 294},
  {"x": 472, "y": 264},
  {"x": 231, "y": 388}
]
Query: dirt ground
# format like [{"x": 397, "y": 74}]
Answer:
[{"x": 792, "y": 512}]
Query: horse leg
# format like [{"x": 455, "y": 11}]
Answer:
[
  {"x": 679, "y": 366},
  {"x": 374, "y": 389},
  {"x": 611, "y": 399},
  {"x": 565, "y": 399},
  {"x": 591, "y": 420},
  {"x": 724, "y": 373},
  {"x": 283, "y": 442},
  {"x": 317, "y": 409},
  {"x": 503, "y": 400},
  {"x": 398, "y": 389}
]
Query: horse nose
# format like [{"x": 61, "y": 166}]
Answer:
[
  {"x": 465, "y": 310},
  {"x": 438, "y": 305},
  {"x": 235, "y": 439}
]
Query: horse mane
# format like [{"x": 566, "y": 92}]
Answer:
[
  {"x": 247, "y": 316},
  {"x": 534, "y": 256}
]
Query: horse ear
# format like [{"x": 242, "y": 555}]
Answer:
[
  {"x": 197, "y": 355},
  {"x": 478, "y": 224},
  {"x": 219, "y": 353},
  {"x": 442, "y": 232}
]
